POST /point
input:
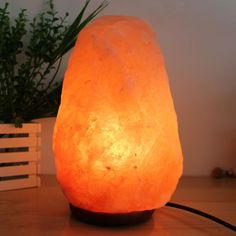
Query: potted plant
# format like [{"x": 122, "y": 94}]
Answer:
[{"x": 30, "y": 57}]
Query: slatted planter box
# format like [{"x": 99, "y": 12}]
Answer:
[{"x": 19, "y": 156}]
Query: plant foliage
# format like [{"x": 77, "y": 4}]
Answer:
[{"x": 30, "y": 57}]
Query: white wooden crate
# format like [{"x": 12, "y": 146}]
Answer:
[{"x": 19, "y": 156}]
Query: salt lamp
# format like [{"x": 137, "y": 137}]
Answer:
[{"x": 116, "y": 144}]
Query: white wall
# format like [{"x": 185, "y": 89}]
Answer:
[{"x": 198, "y": 39}]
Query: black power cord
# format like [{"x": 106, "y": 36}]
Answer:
[{"x": 201, "y": 213}]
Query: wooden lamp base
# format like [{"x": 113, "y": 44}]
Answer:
[{"x": 108, "y": 219}]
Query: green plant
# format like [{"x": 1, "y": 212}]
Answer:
[{"x": 30, "y": 57}]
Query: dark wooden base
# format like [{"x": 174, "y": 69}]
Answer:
[{"x": 108, "y": 219}]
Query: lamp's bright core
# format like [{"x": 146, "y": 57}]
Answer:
[{"x": 116, "y": 140}]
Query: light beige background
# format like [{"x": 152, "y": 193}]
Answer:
[{"x": 198, "y": 39}]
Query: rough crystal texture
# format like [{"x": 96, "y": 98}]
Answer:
[{"x": 116, "y": 138}]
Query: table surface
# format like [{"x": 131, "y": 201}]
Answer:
[{"x": 44, "y": 211}]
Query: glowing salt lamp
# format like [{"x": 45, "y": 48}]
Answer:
[{"x": 117, "y": 150}]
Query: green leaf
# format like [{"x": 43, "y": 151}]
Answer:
[
  {"x": 31, "y": 52},
  {"x": 73, "y": 31}
]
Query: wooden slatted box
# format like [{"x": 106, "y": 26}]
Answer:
[{"x": 19, "y": 156}]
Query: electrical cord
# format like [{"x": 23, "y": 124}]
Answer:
[{"x": 203, "y": 214}]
